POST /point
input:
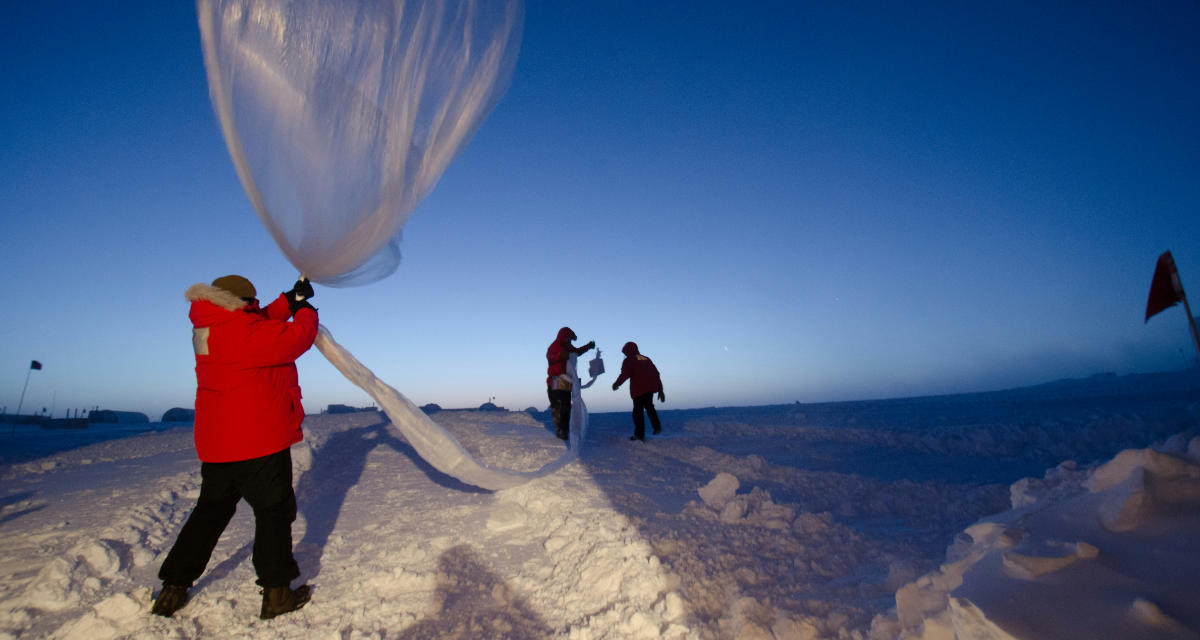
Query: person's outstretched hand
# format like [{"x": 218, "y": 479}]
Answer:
[
  {"x": 302, "y": 290},
  {"x": 615, "y": 386},
  {"x": 589, "y": 345},
  {"x": 298, "y": 297},
  {"x": 662, "y": 397}
]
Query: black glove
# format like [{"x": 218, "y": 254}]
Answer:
[
  {"x": 590, "y": 345},
  {"x": 302, "y": 290},
  {"x": 298, "y": 297}
]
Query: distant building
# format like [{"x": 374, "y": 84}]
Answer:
[
  {"x": 108, "y": 416},
  {"x": 179, "y": 414},
  {"x": 342, "y": 408}
]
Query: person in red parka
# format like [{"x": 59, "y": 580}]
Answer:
[
  {"x": 248, "y": 415},
  {"x": 558, "y": 382},
  {"x": 644, "y": 381}
]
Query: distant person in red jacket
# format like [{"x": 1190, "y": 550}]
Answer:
[
  {"x": 644, "y": 381},
  {"x": 558, "y": 382},
  {"x": 248, "y": 415}
]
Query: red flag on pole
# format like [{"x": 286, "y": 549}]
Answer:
[
  {"x": 35, "y": 365},
  {"x": 1165, "y": 289}
]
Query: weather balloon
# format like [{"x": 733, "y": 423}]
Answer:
[{"x": 341, "y": 115}]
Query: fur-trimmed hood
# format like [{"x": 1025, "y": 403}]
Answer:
[{"x": 214, "y": 295}]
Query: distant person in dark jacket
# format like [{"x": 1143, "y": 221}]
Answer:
[
  {"x": 558, "y": 382},
  {"x": 248, "y": 415},
  {"x": 644, "y": 381}
]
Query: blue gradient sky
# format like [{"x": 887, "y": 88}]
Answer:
[{"x": 778, "y": 202}]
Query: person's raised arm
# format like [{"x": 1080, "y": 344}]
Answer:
[{"x": 585, "y": 348}]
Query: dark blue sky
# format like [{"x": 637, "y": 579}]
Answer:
[{"x": 777, "y": 201}]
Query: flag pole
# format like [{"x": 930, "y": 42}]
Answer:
[
  {"x": 1178, "y": 282},
  {"x": 13, "y": 430},
  {"x": 23, "y": 391},
  {"x": 1191, "y": 321}
]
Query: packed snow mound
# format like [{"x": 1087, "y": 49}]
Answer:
[{"x": 1109, "y": 553}]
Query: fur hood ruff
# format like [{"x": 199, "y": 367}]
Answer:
[{"x": 219, "y": 297}]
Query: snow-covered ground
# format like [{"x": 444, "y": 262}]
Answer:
[{"x": 997, "y": 515}]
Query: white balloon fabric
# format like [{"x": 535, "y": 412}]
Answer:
[
  {"x": 341, "y": 115},
  {"x": 434, "y": 444}
]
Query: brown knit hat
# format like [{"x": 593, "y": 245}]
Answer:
[{"x": 237, "y": 285}]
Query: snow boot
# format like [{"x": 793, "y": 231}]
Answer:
[
  {"x": 281, "y": 600},
  {"x": 169, "y": 600}
]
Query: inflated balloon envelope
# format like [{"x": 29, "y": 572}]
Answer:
[{"x": 340, "y": 116}]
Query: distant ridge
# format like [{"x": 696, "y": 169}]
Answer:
[
  {"x": 1101, "y": 385},
  {"x": 1111, "y": 384}
]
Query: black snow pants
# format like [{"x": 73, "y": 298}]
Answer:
[
  {"x": 560, "y": 411},
  {"x": 644, "y": 402},
  {"x": 266, "y": 485}
]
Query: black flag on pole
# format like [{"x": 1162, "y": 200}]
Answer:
[
  {"x": 35, "y": 365},
  {"x": 1165, "y": 290}
]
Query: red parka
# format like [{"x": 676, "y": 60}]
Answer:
[
  {"x": 559, "y": 352},
  {"x": 247, "y": 390},
  {"x": 640, "y": 371}
]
